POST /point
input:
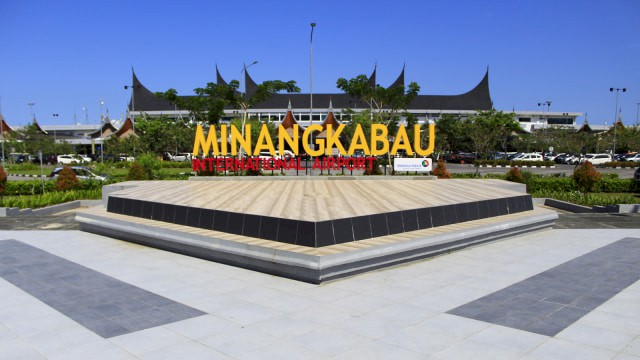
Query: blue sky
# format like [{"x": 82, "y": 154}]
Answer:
[{"x": 67, "y": 55}]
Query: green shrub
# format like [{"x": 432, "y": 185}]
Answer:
[
  {"x": 441, "y": 170},
  {"x": 3, "y": 181},
  {"x": 136, "y": 172},
  {"x": 586, "y": 176},
  {"x": 514, "y": 175},
  {"x": 67, "y": 180},
  {"x": 48, "y": 199},
  {"x": 151, "y": 166},
  {"x": 585, "y": 199},
  {"x": 614, "y": 185}
]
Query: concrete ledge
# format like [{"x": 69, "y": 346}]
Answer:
[
  {"x": 579, "y": 209},
  {"x": 308, "y": 264},
  {"x": 49, "y": 210}
]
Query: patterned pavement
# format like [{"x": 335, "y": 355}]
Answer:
[{"x": 402, "y": 312}]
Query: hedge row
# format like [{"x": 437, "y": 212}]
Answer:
[
  {"x": 48, "y": 199},
  {"x": 507, "y": 163},
  {"x": 34, "y": 187}
]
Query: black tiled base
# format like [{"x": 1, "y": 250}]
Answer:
[
  {"x": 549, "y": 302},
  {"x": 323, "y": 233},
  {"x": 102, "y": 304}
]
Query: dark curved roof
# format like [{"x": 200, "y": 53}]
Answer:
[
  {"x": 477, "y": 98},
  {"x": 145, "y": 100},
  {"x": 400, "y": 80}
]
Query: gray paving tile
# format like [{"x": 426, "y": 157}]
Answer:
[
  {"x": 549, "y": 302},
  {"x": 106, "y": 306}
]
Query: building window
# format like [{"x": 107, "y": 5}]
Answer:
[
  {"x": 523, "y": 119},
  {"x": 560, "y": 121}
]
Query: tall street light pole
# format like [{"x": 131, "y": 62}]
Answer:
[
  {"x": 133, "y": 104},
  {"x": 33, "y": 116},
  {"x": 638, "y": 114},
  {"x": 313, "y": 25},
  {"x": 543, "y": 104},
  {"x": 101, "y": 133},
  {"x": 615, "y": 119}
]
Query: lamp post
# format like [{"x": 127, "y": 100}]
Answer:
[
  {"x": 638, "y": 114},
  {"x": 615, "y": 120},
  {"x": 313, "y": 25},
  {"x": 31, "y": 113},
  {"x": 133, "y": 104},
  {"x": 101, "y": 133},
  {"x": 543, "y": 104},
  {"x": 55, "y": 140}
]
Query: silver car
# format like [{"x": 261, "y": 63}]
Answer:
[{"x": 82, "y": 173}]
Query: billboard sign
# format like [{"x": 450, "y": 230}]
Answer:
[{"x": 413, "y": 164}]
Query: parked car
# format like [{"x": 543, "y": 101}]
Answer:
[
  {"x": 563, "y": 158},
  {"x": 550, "y": 156},
  {"x": 597, "y": 159},
  {"x": 127, "y": 158},
  {"x": 178, "y": 156},
  {"x": 84, "y": 158},
  {"x": 530, "y": 157},
  {"x": 67, "y": 160},
  {"x": 82, "y": 172},
  {"x": 636, "y": 175},
  {"x": 634, "y": 158},
  {"x": 287, "y": 154},
  {"x": 46, "y": 160}
]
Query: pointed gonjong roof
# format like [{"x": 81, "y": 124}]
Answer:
[
  {"x": 126, "y": 130},
  {"x": 477, "y": 98},
  {"x": 289, "y": 121},
  {"x": 329, "y": 122},
  {"x": 5, "y": 128},
  {"x": 105, "y": 130}
]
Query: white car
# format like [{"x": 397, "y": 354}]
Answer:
[
  {"x": 67, "y": 160},
  {"x": 597, "y": 159},
  {"x": 287, "y": 154},
  {"x": 529, "y": 157},
  {"x": 634, "y": 158},
  {"x": 180, "y": 157},
  {"x": 82, "y": 173},
  {"x": 84, "y": 158}
]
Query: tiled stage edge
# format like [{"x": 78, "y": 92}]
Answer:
[
  {"x": 313, "y": 265},
  {"x": 321, "y": 233},
  {"x": 549, "y": 302},
  {"x": 105, "y": 305}
]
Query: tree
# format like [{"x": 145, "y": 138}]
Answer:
[
  {"x": 385, "y": 103},
  {"x": 451, "y": 133},
  {"x": 31, "y": 139},
  {"x": 490, "y": 129},
  {"x": 208, "y": 104},
  {"x": 263, "y": 92},
  {"x": 159, "y": 135},
  {"x": 128, "y": 145}
]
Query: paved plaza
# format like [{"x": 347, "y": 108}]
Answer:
[{"x": 550, "y": 294}]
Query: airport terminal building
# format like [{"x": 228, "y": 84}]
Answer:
[{"x": 425, "y": 107}]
